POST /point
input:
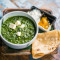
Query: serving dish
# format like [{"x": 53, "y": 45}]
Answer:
[
  {"x": 44, "y": 19},
  {"x": 18, "y": 46},
  {"x": 27, "y": 51}
]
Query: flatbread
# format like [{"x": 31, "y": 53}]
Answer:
[
  {"x": 59, "y": 36},
  {"x": 45, "y": 43}
]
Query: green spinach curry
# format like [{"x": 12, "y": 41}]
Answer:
[{"x": 11, "y": 34}]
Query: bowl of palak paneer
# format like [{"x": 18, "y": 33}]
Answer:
[{"x": 18, "y": 29}]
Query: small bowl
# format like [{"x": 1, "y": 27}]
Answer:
[
  {"x": 18, "y": 13},
  {"x": 48, "y": 14}
]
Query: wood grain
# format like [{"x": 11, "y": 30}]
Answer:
[{"x": 7, "y": 57}]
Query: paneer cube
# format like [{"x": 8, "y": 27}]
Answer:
[
  {"x": 12, "y": 26},
  {"x": 18, "y": 23},
  {"x": 18, "y": 33},
  {"x": 22, "y": 26}
]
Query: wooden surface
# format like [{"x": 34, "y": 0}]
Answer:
[
  {"x": 48, "y": 4},
  {"x": 9, "y": 51},
  {"x": 55, "y": 56}
]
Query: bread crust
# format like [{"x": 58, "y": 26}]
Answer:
[{"x": 45, "y": 43}]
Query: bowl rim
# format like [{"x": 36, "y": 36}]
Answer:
[
  {"x": 40, "y": 27},
  {"x": 28, "y": 17}
]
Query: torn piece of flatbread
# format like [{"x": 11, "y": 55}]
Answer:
[{"x": 45, "y": 43}]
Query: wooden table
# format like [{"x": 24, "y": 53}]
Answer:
[{"x": 28, "y": 57}]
